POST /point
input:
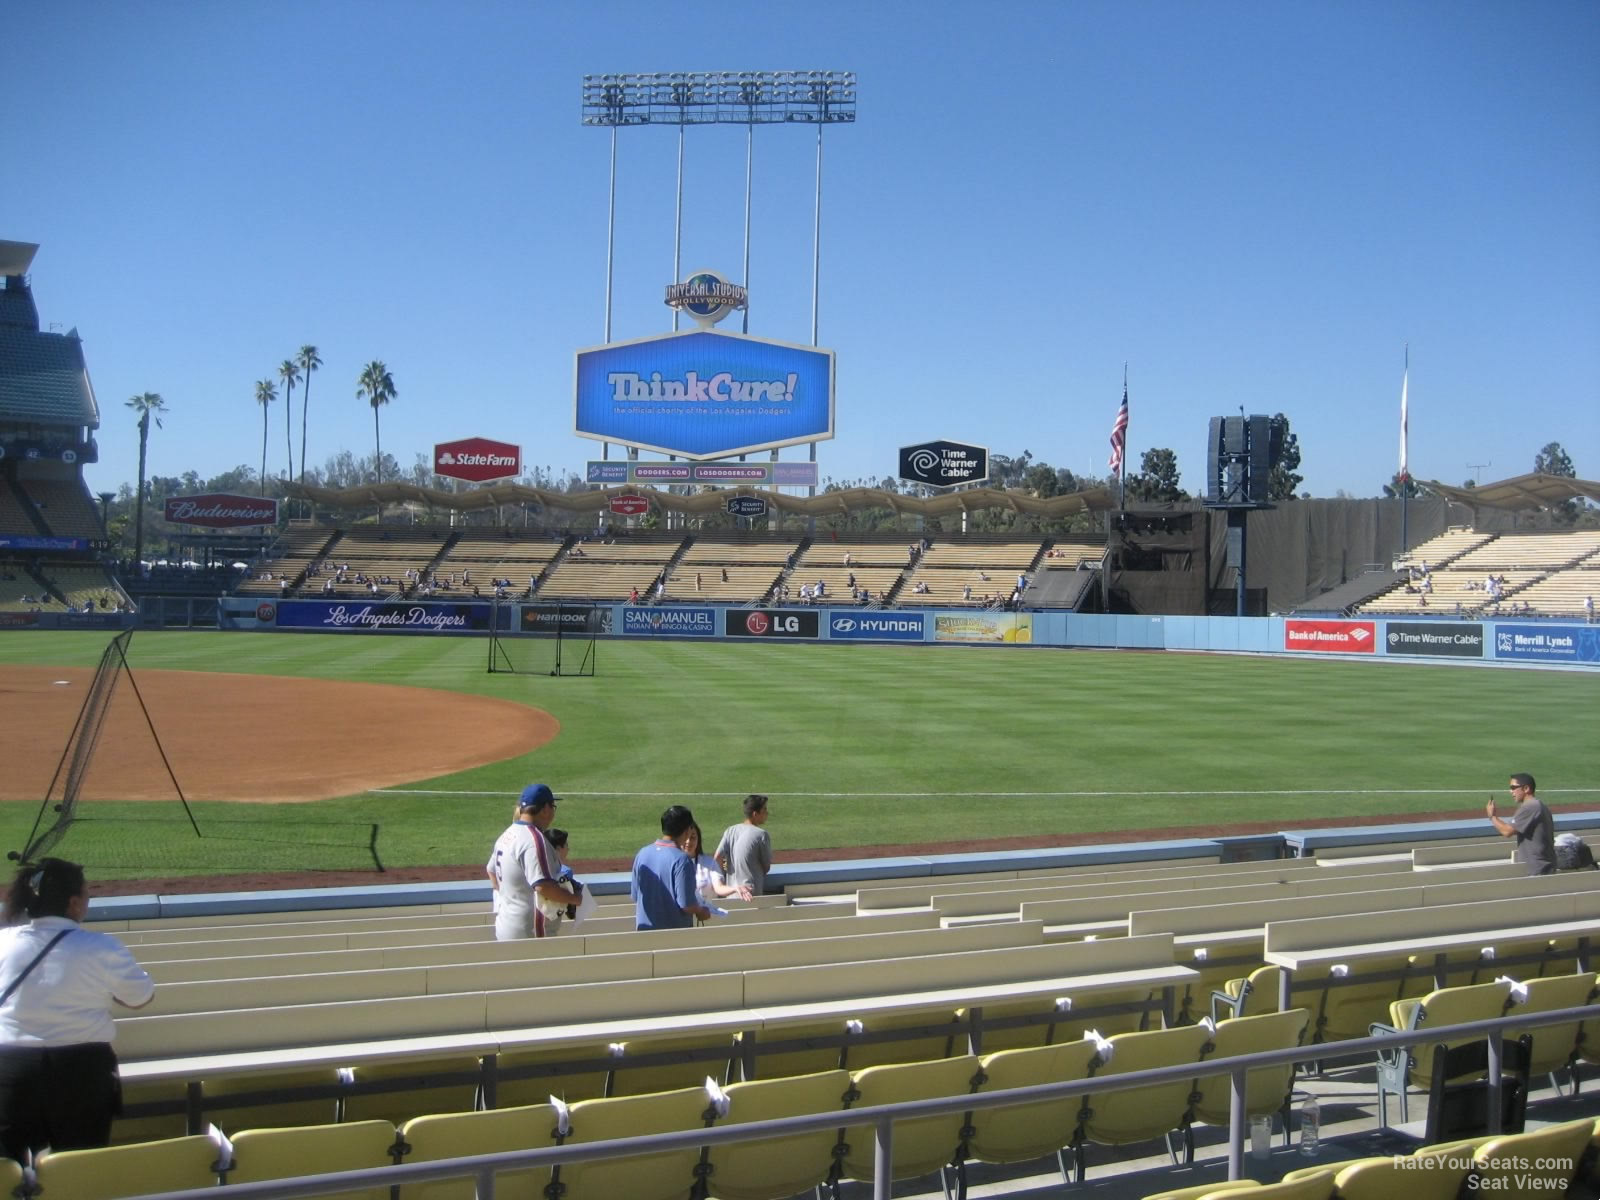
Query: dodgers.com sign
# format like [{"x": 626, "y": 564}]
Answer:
[
  {"x": 701, "y": 394},
  {"x": 1548, "y": 643},
  {"x": 877, "y": 627},
  {"x": 670, "y": 622}
]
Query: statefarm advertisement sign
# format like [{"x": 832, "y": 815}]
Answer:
[
  {"x": 703, "y": 395},
  {"x": 1331, "y": 637},
  {"x": 477, "y": 460},
  {"x": 221, "y": 510}
]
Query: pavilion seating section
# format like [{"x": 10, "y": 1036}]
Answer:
[
  {"x": 1065, "y": 555},
  {"x": 380, "y": 552},
  {"x": 610, "y": 568},
  {"x": 752, "y": 564},
  {"x": 294, "y": 550},
  {"x": 876, "y": 565},
  {"x": 477, "y": 557},
  {"x": 1444, "y": 548},
  {"x": 1563, "y": 593},
  {"x": 66, "y": 507},
  {"x": 969, "y": 571},
  {"x": 1549, "y": 572}
]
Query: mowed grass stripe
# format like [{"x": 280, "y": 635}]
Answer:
[{"x": 864, "y": 745}]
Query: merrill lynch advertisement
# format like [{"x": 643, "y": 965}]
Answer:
[
  {"x": 1450, "y": 639},
  {"x": 670, "y": 622},
  {"x": 704, "y": 395},
  {"x": 1015, "y": 628},
  {"x": 394, "y": 617},
  {"x": 877, "y": 627},
  {"x": 1548, "y": 643}
]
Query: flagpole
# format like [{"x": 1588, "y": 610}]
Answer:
[
  {"x": 1122, "y": 470},
  {"x": 1405, "y": 468}
]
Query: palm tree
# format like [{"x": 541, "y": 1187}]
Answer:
[
  {"x": 147, "y": 405},
  {"x": 376, "y": 387},
  {"x": 289, "y": 372},
  {"x": 309, "y": 362},
  {"x": 265, "y": 395}
]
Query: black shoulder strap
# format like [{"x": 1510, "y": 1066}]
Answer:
[{"x": 37, "y": 959}]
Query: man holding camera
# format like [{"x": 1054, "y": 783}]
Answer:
[{"x": 525, "y": 869}]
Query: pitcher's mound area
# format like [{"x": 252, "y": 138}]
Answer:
[{"x": 255, "y": 738}]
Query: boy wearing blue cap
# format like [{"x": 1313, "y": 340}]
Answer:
[{"x": 525, "y": 868}]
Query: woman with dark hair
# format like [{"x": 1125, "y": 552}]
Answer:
[{"x": 58, "y": 1075}]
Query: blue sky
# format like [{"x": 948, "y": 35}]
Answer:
[{"x": 1252, "y": 204}]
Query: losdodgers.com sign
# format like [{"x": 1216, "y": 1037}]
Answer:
[
  {"x": 701, "y": 394},
  {"x": 670, "y": 622},
  {"x": 901, "y": 627},
  {"x": 1548, "y": 643}
]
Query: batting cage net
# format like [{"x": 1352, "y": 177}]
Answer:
[{"x": 545, "y": 639}]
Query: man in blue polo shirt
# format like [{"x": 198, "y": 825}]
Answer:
[{"x": 663, "y": 877}]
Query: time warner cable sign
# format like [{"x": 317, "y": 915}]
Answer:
[{"x": 700, "y": 394}]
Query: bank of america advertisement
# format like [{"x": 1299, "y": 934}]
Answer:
[{"x": 701, "y": 394}]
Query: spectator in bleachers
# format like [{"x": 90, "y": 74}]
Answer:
[
  {"x": 556, "y": 914},
  {"x": 58, "y": 1074},
  {"x": 663, "y": 884},
  {"x": 1531, "y": 824},
  {"x": 1588, "y": 609},
  {"x": 633, "y": 596},
  {"x": 745, "y": 850},
  {"x": 710, "y": 883},
  {"x": 524, "y": 868}
]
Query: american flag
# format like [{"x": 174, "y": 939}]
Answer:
[{"x": 1119, "y": 433}]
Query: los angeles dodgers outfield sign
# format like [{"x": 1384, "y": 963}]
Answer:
[{"x": 702, "y": 394}]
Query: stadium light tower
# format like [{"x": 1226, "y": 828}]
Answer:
[{"x": 747, "y": 98}]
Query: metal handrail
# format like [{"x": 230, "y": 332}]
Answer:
[{"x": 882, "y": 1117}]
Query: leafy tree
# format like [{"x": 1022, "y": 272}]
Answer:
[
  {"x": 1157, "y": 480},
  {"x": 265, "y": 395},
  {"x": 289, "y": 372},
  {"x": 1553, "y": 460},
  {"x": 1396, "y": 488},
  {"x": 147, "y": 405},
  {"x": 309, "y": 362},
  {"x": 376, "y": 387},
  {"x": 1283, "y": 483}
]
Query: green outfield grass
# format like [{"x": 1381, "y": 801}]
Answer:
[{"x": 861, "y": 745}]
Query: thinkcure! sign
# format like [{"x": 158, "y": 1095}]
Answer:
[
  {"x": 477, "y": 460},
  {"x": 221, "y": 510}
]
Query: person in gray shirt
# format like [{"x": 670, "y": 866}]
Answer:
[
  {"x": 745, "y": 851},
  {"x": 1532, "y": 826}
]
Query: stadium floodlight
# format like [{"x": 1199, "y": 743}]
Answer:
[{"x": 720, "y": 98}]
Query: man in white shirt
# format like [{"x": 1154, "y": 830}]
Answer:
[{"x": 524, "y": 866}]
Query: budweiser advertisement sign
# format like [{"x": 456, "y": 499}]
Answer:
[
  {"x": 1331, "y": 637},
  {"x": 477, "y": 459},
  {"x": 221, "y": 510},
  {"x": 628, "y": 505}
]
